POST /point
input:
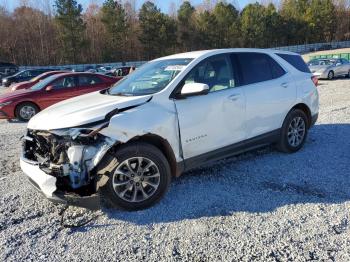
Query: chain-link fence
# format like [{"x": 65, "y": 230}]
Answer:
[
  {"x": 301, "y": 49},
  {"x": 308, "y": 48}
]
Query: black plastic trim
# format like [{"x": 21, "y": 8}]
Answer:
[
  {"x": 314, "y": 119},
  {"x": 234, "y": 149}
]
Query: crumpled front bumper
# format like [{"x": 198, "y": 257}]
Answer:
[{"x": 46, "y": 184}]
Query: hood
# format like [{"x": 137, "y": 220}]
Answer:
[
  {"x": 317, "y": 68},
  {"x": 8, "y": 96},
  {"x": 82, "y": 110}
]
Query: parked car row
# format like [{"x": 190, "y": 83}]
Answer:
[
  {"x": 28, "y": 98},
  {"x": 329, "y": 68},
  {"x": 10, "y": 74},
  {"x": 33, "y": 81}
]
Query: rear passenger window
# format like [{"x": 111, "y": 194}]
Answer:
[
  {"x": 87, "y": 80},
  {"x": 258, "y": 67},
  {"x": 276, "y": 69},
  {"x": 296, "y": 61},
  {"x": 64, "y": 82},
  {"x": 344, "y": 61}
]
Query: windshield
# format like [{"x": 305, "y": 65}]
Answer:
[
  {"x": 43, "y": 83},
  {"x": 149, "y": 78},
  {"x": 321, "y": 62}
]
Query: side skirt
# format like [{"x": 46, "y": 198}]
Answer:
[{"x": 234, "y": 149}]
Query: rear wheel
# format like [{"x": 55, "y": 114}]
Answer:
[
  {"x": 26, "y": 111},
  {"x": 294, "y": 131},
  {"x": 348, "y": 75},
  {"x": 141, "y": 178},
  {"x": 330, "y": 75}
]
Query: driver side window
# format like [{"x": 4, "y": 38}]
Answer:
[
  {"x": 64, "y": 82},
  {"x": 214, "y": 71}
]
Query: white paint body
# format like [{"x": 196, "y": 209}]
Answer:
[{"x": 197, "y": 124}]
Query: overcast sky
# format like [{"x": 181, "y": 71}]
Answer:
[{"x": 162, "y": 4}]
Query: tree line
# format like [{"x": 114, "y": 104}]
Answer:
[{"x": 116, "y": 32}]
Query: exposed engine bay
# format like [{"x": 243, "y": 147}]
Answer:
[{"x": 70, "y": 155}]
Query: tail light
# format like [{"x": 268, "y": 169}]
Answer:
[{"x": 314, "y": 80}]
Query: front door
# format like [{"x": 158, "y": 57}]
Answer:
[
  {"x": 61, "y": 89},
  {"x": 211, "y": 121}
]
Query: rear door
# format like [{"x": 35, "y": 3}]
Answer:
[
  {"x": 338, "y": 67},
  {"x": 269, "y": 89},
  {"x": 90, "y": 83},
  {"x": 345, "y": 66},
  {"x": 62, "y": 88}
]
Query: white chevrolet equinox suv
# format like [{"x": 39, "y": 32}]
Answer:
[{"x": 170, "y": 115}]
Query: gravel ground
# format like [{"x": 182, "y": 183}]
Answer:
[{"x": 259, "y": 206}]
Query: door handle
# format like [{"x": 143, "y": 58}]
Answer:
[
  {"x": 285, "y": 85},
  {"x": 233, "y": 97}
]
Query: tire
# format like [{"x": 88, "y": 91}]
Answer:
[
  {"x": 348, "y": 75},
  {"x": 128, "y": 181},
  {"x": 330, "y": 75},
  {"x": 288, "y": 132},
  {"x": 25, "y": 111}
]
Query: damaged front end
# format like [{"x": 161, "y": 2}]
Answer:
[{"x": 63, "y": 163}]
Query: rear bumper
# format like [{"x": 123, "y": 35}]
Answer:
[{"x": 46, "y": 185}]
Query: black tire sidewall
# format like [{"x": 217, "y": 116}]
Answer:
[
  {"x": 18, "y": 108},
  {"x": 143, "y": 150},
  {"x": 330, "y": 73},
  {"x": 284, "y": 145}
]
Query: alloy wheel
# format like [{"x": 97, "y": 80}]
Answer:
[
  {"x": 296, "y": 131},
  {"x": 27, "y": 112},
  {"x": 136, "y": 179}
]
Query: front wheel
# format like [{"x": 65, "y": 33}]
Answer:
[
  {"x": 25, "y": 111},
  {"x": 140, "y": 179},
  {"x": 330, "y": 75},
  {"x": 294, "y": 132}
]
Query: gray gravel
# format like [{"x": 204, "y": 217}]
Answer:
[{"x": 259, "y": 206}]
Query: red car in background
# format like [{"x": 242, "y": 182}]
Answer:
[
  {"x": 33, "y": 81},
  {"x": 25, "y": 103}
]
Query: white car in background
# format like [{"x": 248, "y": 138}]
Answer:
[
  {"x": 329, "y": 68},
  {"x": 172, "y": 114}
]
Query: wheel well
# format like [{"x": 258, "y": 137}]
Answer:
[
  {"x": 306, "y": 110},
  {"x": 24, "y": 102},
  {"x": 164, "y": 146}
]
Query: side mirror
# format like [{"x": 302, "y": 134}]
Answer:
[
  {"x": 337, "y": 64},
  {"x": 49, "y": 88},
  {"x": 193, "y": 89}
]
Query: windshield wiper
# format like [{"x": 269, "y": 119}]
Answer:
[{"x": 122, "y": 94}]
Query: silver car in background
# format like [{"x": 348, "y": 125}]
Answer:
[{"x": 329, "y": 68}]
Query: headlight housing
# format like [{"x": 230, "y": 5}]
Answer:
[{"x": 5, "y": 103}]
